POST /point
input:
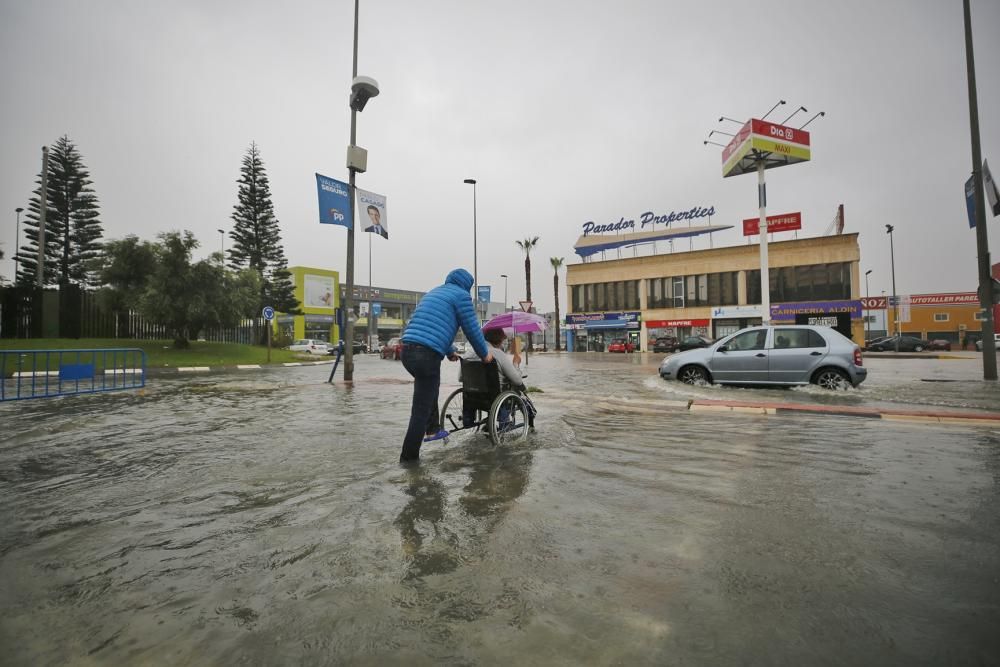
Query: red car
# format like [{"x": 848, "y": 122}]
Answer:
[
  {"x": 621, "y": 345},
  {"x": 393, "y": 349},
  {"x": 939, "y": 344}
]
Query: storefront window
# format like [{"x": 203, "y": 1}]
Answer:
[{"x": 678, "y": 292}]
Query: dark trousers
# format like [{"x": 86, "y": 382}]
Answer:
[{"x": 424, "y": 364}]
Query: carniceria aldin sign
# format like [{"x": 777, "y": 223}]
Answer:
[{"x": 648, "y": 218}]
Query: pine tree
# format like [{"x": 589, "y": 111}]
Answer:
[
  {"x": 256, "y": 239},
  {"x": 72, "y": 229}
]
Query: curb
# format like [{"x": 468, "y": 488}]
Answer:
[{"x": 969, "y": 418}]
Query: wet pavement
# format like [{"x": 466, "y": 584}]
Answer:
[{"x": 260, "y": 517}]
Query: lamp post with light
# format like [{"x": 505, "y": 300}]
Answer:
[
  {"x": 895, "y": 305},
  {"x": 222, "y": 245},
  {"x": 475, "y": 265},
  {"x": 504, "y": 276}
]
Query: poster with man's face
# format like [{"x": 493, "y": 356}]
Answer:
[
  {"x": 371, "y": 208},
  {"x": 318, "y": 291}
]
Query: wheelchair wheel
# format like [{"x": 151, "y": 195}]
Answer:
[
  {"x": 508, "y": 419},
  {"x": 451, "y": 413}
]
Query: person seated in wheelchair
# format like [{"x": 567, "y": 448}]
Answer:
[{"x": 511, "y": 377}]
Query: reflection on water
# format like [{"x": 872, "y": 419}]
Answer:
[{"x": 263, "y": 519}]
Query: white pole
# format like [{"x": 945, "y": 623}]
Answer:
[{"x": 765, "y": 278}]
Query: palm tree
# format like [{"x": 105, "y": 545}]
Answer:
[
  {"x": 526, "y": 245},
  {"x": 556, "y": 262}
]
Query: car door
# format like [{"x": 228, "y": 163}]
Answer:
[
  {"x": 795, "y": 353},
  {"x": 743, "y": 358}
]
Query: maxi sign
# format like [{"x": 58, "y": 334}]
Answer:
[{"x": 759, "y": 140}]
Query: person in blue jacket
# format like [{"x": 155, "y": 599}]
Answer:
[{"x": 426, "y": 341}]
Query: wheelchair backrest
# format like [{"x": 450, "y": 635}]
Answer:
[{"x": 479, "y": 379}]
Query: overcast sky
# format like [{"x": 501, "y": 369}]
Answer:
[{"x": 566, "y": 111}]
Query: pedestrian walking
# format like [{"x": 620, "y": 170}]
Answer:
[{"x": 428, "y": 339}]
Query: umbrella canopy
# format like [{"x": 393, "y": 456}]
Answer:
[{"x": 517, "y": 321}]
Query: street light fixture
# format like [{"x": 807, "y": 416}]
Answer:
[
  {"x": 869, "y": 304},
  {"x": 504, "y": 276},
  {"x": 17, "y": 242},
  {"x": 222, "y": 245},
  {"x": 895, "y": 305},
  {"x": 475, "y": 265}
]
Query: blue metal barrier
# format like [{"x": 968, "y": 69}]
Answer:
[{"x": 42, "y": 373}]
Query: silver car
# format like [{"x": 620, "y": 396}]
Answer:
[{"x": 772, "y": 355}]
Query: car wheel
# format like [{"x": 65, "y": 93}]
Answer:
[
  {"x": 831, "y": 378},
  {"x": 918, "y": 348},
  {"x": 693, "y": 375}
]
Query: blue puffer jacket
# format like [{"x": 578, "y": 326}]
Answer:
[{"x": 439, "y": 314}]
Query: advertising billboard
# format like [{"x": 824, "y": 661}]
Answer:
[
  {"x": 763, "y": 141},
  {"x": 318, "y": 291}
]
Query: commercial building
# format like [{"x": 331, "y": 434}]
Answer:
[
  {"x": 318, "y": 293},
  {"x": 713, "y": 292},
  {"x": 948, "y": 316}
]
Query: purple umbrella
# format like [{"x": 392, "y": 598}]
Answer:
[{"x": 517, "y": 321}]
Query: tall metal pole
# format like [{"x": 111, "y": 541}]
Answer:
[
  {"x": 17, "y": 243},
  {"x": 868, "y": 300},
  {"x": 43, "y": 203},
  {"x": 895, "y": 299},
  {"x": 504, "y": 276},
  {"x": 475, "y": 246},
  {"x": 222, "y": 245},
  {"x": 982, "y": 238},
  {"x": 348, "y": 304},
  {"x": 371, "y": 305},
  {"x": 765, "y": 276}
]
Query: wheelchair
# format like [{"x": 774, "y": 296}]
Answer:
[{"x": 504, "y": 414}]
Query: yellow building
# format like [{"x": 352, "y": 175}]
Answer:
[
  {"x": 713, "y": 292},
  {"x": 948, "y": 316},
  {"x": 318, "y": 292}
]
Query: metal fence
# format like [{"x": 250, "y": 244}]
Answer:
[{"x": 28, "y": 374}]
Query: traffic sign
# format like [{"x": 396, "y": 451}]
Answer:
[
  {"x": 268, "y": 313},
  {"x": 526, "y": 306}
]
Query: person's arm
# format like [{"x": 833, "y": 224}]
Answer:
[
  {"x": 470, "y": 326},
  {"x": 507, "y": 368}
]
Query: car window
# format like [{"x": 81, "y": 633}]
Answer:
[
  {"x": 797, "y": 338},
  {"x": 748, "y": 340}
]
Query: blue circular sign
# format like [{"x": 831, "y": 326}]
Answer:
[{"x": 268, "y": 313}]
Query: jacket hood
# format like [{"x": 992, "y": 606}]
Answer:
[{"x": 462, "y": 278}]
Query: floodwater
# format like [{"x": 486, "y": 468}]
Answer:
[{"x": 260, "y": 517}]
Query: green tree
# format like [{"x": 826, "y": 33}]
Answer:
[
  {"x": 123, "y": 270},
  {"x": 72, "y": 228},
  {"x": 556, "y": 262},
  {"x": 526, "y": 245},
  {"x": 256, "y": 238},
  {"x": 186, "y": 297}
]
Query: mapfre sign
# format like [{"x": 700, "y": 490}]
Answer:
[
  {"x": 950, "y": 299},
  {"x": 775, "y": 223}
]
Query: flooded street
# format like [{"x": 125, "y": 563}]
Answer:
[{"x": 260, "y": 517}]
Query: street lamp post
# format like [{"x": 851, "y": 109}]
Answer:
[
  {"x": 869, "y": 305},
  {"x": 222, "y": 245},
  {"x": 895, "y": 305},
  {"x": 475, "y": 264},
  {"x": 17, "y": 242},
  {"x": 504, "y": 276}
]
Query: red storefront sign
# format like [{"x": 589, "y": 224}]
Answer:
[
  {"x": 953, "y": 299},
  {"x": 775, "y": 223},
  {"x": 663, "y": 324}
]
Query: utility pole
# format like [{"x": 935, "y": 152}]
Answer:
[{"x": 982, "y": 238}]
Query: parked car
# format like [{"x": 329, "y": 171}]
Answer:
[
  {"x": 393, "y": 349},
  {"x": 906, "y": 344},
  {"x": 309, "y": 345},
  {"x": 694, "y": 342},
  {"x": 939, "y": 344},
  {"x": 621, "y": 345},
  {"x": 772, "y": 355},
  {"x": 358, "y": 348},
  {"x": 666, "y": 344},
  {"x": 875, "y": 341},
  {"x": 996, "y": 343}
]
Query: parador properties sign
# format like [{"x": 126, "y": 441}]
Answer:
[{"x": 648, "y": 218}]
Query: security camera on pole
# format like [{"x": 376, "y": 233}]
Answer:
[{"x": 363, "y": 88}]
